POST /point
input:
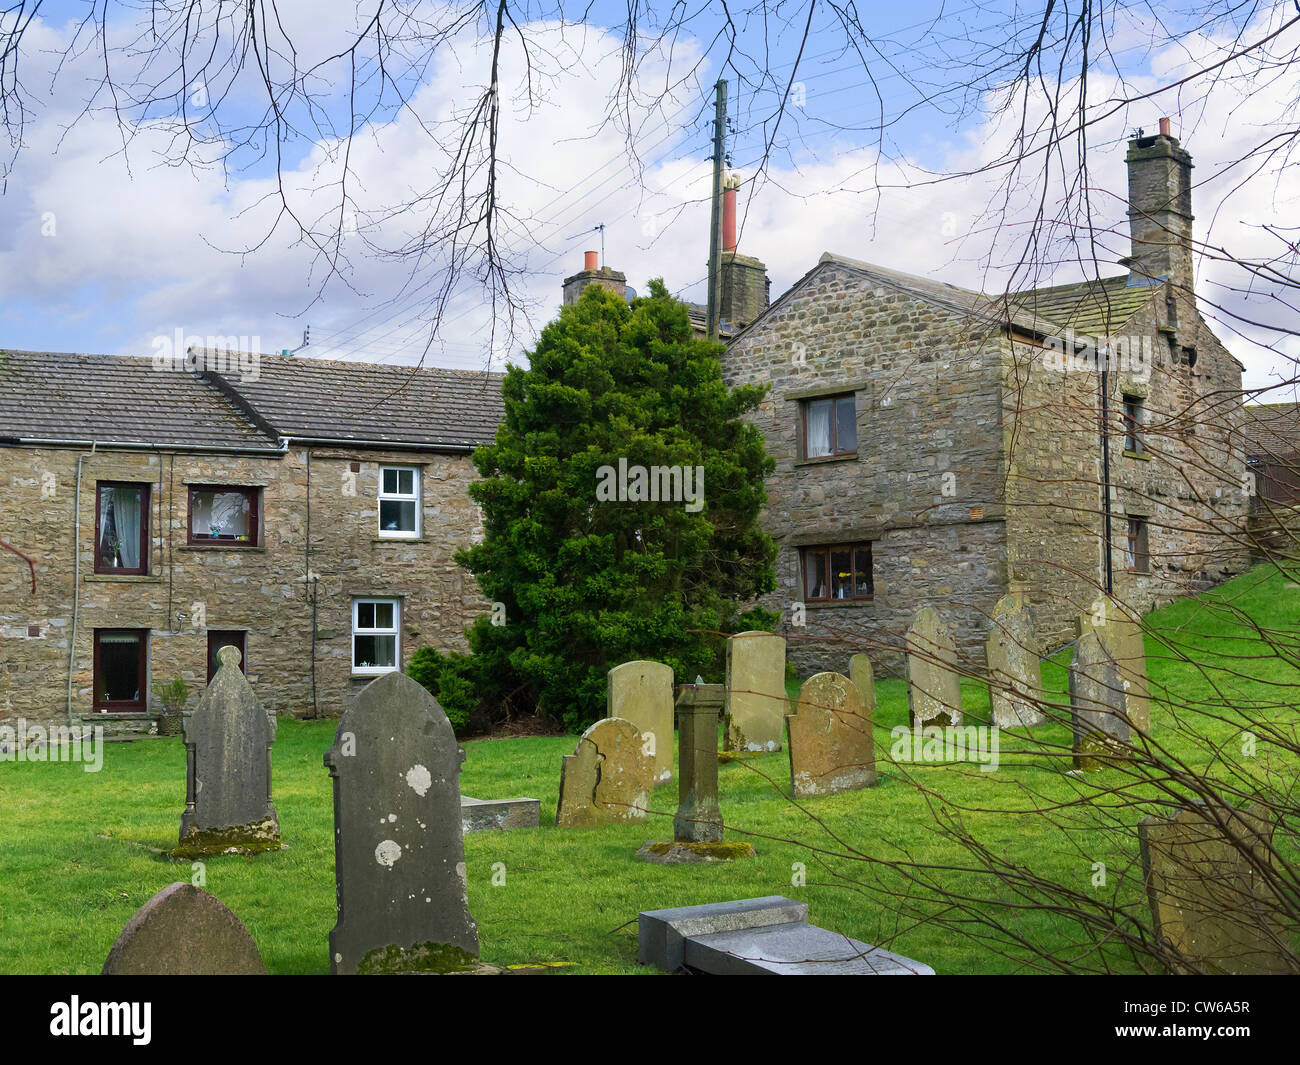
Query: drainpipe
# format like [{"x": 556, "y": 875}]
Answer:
[
  {"x": 1105, "y": 473},
  {"x": 76, "y": 577}
]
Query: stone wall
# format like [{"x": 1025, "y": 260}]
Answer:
[
  {"x": 263, "y": 590},
  {"x": 925, "y": 486}
]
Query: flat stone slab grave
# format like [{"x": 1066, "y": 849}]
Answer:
[
  {"x": 483, "y": 815},
  {"x": 769, "y": 935}
]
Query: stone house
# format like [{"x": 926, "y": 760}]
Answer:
[
  {"x": 307, "y": 512},
  {"x": 939, "y": 445}
]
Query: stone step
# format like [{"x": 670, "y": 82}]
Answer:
[{"x": 484, "y": 815}]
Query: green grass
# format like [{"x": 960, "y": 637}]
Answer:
[{"x": 75, "y": 863}]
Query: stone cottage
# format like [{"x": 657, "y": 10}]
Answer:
[
  {"x": 305, "y": 511},
  {"x": 939, "y": 445}
]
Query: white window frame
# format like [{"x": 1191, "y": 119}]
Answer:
[
  {"x": 395, "y": 632},
  {"x": 397, "y": 497}
]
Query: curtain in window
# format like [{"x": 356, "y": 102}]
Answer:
[
  {"x": 819, "y": 428},
  {"x": 126, "y": 521},
  {"x": 107, "y": 552}
]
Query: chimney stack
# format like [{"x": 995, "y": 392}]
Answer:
[
  {"x": 594, "y": 274},
  {"x": 1160, "y": 210},
  {"x": 744, "y": 278}
]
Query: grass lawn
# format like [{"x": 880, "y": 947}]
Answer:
[{"x": 75, "y": 861}]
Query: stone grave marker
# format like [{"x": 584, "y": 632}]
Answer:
[
  {"x": 861, "y": 674},
  {"x": 756, "y": 701},
  {"x": 1101, "y": 729},
  {"x": 608, "y": 777},
  {"x": 228, "y": 740},
  {"x": 399, "y": 854},
  {"x": 831, "y": 745},
  {"x": 1120, "y": 632},
  {"x": 1211, "y": 890},
  {"x": 184, "y": 931},
  {"x": 642, "y": 692},
  {"x": 933, "y": 684},
  {"x": 1015, "y": 672}
]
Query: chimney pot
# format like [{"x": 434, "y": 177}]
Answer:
[
  {"x": 1164, "y": 127},
  {"x": 592, "y": 261},
  {"x": 729, "y": 217}
]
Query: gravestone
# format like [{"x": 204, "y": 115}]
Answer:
[
  {"x": 1101, "y": 729},
  {"x": 184, "y": 931},
  {"x": 1015, "y": 673},
  {"x": 831, "y": 746},
  {"x": 399, "y": 854},
  {"x": 756, "y": 702},
  {"x": 608, "y": 777},
  {"x": 697, "y": 825},
  {"x": 1210, "y": 882},
  {"x": 863, "y": 677},
  {"x": 642, "y": 693},
  {"x": 933, "y": 685},
  {"x": 1120, "y": 632},
  {"x": 764, "y": 936},
  {"x": 228, "y": 741}
]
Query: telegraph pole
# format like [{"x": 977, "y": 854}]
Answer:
[{"x": 715, "y": 230}]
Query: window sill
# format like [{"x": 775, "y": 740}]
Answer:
[
  {"x": 822, "y": 460},
  {"x": 221, "y": 547},
  {"x": 401, "y": 539},
  {"x": 1141, "y": 456},
  {"x": 122, "y": 578},
  {"x": 372, "y": 676},
  {"x": 836, "y": 604},
  {"x": 118, "y": 715}
]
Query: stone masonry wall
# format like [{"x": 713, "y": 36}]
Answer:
[
  {"x": 925, "y": 486},
  {"x": 262, "y": 590}
]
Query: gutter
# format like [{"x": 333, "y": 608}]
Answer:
[{"x": 139, "y": 445}]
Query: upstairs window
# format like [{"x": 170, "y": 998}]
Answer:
[
  {"x": 225, "y": 516},
  {"x": 121, "y": 528},
  {"x": 1133, "y": 421},
  {"x": 830, "y": 426},
  {"x": 375, "y": 636},
  {"x": 837, "y": 573},
  {"x": 399, "y": 502},
  {"x": 1136, "y": 559}
]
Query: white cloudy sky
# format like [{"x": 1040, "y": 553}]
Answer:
[{"x": 103, "y": 249}]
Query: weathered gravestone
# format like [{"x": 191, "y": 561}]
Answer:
[
  {"x": 1120, "y": 632},
  {"x": 1101, "y": 729},
  {"x": 228, "y": 769},
  {"x": 607, "y": 778},
  {"x": 399, "y": 856},
  {"x": 642, "y": 693},
  {"x": 1015, "y": 674},
  {"x": 863, "y": 677},
  {"x": 697, "y": 826},
  {"x": 933, "y": 685},
  {"x": 831, "y": 746},
  {"x": 1212, "y": 886},
  {"x": 756, "y": 702},
  {"x": 184, "y": 931}
]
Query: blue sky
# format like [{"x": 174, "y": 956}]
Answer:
[{"x": 103, "y": 249}]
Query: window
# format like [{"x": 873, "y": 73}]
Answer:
[
  {"x": 399, "y": 501},
  {"x": 121, "y": 671},
  {"x": 121, "y": 528},
  {"x": 837, "y": 573},
  {"x": 1135, "y": 549},
  {"x": 1133, "y": 425},
  {"x": 375, "y": 639},
  {"x": 830, "y": 426},
  {"x": 217, "y": 639},
  {"x": 223, "y": 515}
]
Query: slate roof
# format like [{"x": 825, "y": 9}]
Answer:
[
  {"x": 326, "y": 400},
  {"x": 116, "y": 399},
  {"x": 1271, "y": 431},
  {"x": 1092, "y": 308}
]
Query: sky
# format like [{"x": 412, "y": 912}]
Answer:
[{"x": 111, "y": 243}]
